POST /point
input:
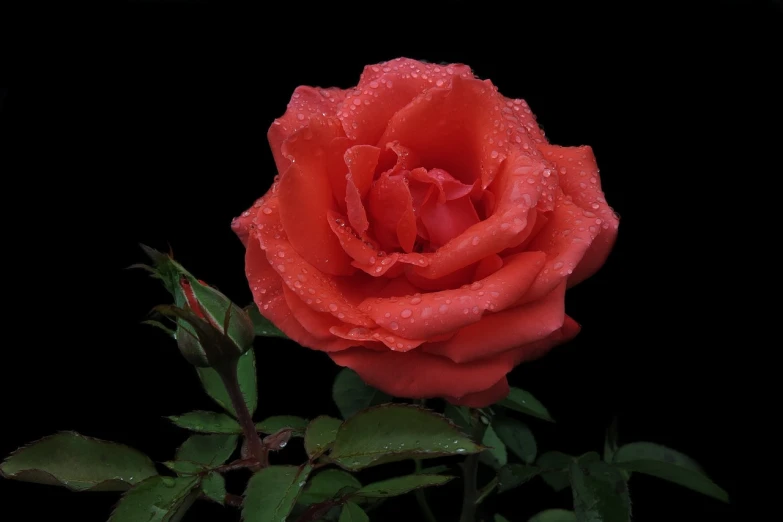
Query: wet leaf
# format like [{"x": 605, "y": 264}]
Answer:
[
  {"x": 401, "y": 485},
  {"x": 209, "y": 450},
  {"x": 668, "y": 464},
  {"x": 207, "y": 422},
  {"x": 79, "y": 463},
  {"x": 524, "y": 402},
  {"x": 157, "y": 499},
  {"x": 327, "y": 485},
  {"x": 495, "y": 455},
  {"x": 517, "y": 437},
  {"x": 214, "y": 487},
  {"x": 272, "y": 493},
  {"x": 320, "y": 435},
  {"x": 393, "y": 432},
  {"x": 274, "y": 424}
]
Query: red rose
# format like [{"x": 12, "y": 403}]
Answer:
[{"x": 422, "y": 231}]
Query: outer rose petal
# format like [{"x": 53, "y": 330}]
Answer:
[
  {"x": 504, "y": 330},
  {"x": 417, "y": 374},
  {"x": 446, "y": 311},
  {"x": 305, "y": 103},
  {"x": 321, "y": 292},
  {"x": 305, "y": 194},
  {"x": 565, "y": 239},
  {"x": 386, "y": 88},
  {"x": 268, "y": 294},
  {"x": 500, "y": 389},
  {"x": 579, "y": 179}
]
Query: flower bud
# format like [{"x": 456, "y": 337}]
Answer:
[{"x": 210, "y": 329}]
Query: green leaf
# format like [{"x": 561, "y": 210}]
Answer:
[
  {"x": 246, "y": 373},
  {"x": 79, "y": 463},
  {"x": 353, "y": 513},
  {"x": 600, "y": 492},
  {"x": 554, "y": 469},
  {"x": 554, "y": 515},
  {"x": 351, "y": 394},
  {"x": 214, "y": 487},
  {"x": 393, "y": 432},
  {"x": 207, "y": 422},
  {"x": 320, "y": 435},
  {"x": 272, "y": 492},
  {"x": 495, "y": 455},
  {"x": 157, "y": 499},
  {"x": 401, "y": 485},
  {"x": 327, "y": 484},
  {"x": 668, "y": 464},
  {"x": 460, "y": 416},
  {"x": 184, "y": 467},
  {"x": 517, "y": 437},
  {"x": 514, "y": 475},
  {"x": 262, "y": 326},
  {"x": 209, "y": 450},
  {"x": 278, "y": 422},
  {"x": 524, "y": 402},
  {"x": 500, "y": 518},
  {"x": 610, "y": 442}
]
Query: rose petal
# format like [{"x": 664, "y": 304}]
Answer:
[
  {"x": 361, "y": 161},
  {"x": 268, "y": 294},
  {"x": 416, "y": 374},
  {"x": 564, "y": 239},
  {"x": 316, "y": 324},
  {"x": 297, "y": 273},
  {"x": 386, "y": 88},
  {"x": 307, "y": 180},
  {"x": 502, "y": 331},
  {"x": 458, "y": 129},
  {"x": 488, "y": 266},
  {"x": 364, "y": 335},
  {"x": 305, "y": 103},
  {"x": 500, "y": 389},
  {"x": 448, "y": 310},
  {"x": 445, "y": 221},
  {"x": 515, "y": 196},
  {"x": 242, "y": 223},
  {"x": 391, "y": 209},
  {"x": 579, "y": 178},
  {"x": 522, "y": 111}
]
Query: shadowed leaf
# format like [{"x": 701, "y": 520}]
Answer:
[
  {"x": 272, "y": 492},
  {"x": 351, "y": 394},
  {"x": 79, "y": 463}
]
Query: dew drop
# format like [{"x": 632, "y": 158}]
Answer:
[
  {"x": 333, "y": 307},
  {"x": 393, "y": 325},
  {"x": 406, "y": 313}
]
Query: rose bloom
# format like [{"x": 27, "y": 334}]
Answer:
[{"x": 422, "y": 231}]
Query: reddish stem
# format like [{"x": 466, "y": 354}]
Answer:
[{"x": 255, "y": 447}]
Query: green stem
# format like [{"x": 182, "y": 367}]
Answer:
[
  {"x": 255, "y": 447},
  {"x": 470, "y": 472},
  {"x": 422, "y": 499}
]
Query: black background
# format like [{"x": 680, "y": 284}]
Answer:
[{"x": 160, "y": 137}]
